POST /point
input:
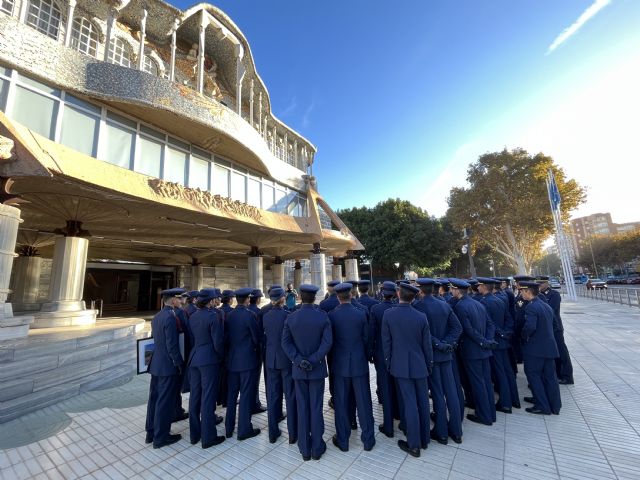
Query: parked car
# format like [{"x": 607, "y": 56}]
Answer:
[
  {"x": 554, "y": 282},
  {"x": 594, "y": 283},
  {"x": 633, "y": 279}
]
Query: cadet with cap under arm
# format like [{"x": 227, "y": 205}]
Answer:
[
  {"x": 204, "y": 369},
  {"x": 242, "y": 340},
  {"x": 165, "y": 366},
  {"x": 406, "y": 342},
  {"x": 306, "y": 339},
  {"x": 539, "y": 352}
]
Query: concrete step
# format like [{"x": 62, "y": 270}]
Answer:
[{"x": 34, "y": 401}]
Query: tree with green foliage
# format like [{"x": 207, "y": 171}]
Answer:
[
  {"x": 549, "y": 264},
  {"x": 397, "y": 232},
  {"x": 610, "y": 251},
  {"x": 506, "y": 204}
]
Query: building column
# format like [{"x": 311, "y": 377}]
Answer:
[
  {"x": 197, "y": 275},
  {"x": 260, "y": 109},
  {"x": 297, "y": 275},
  {"x": 318, "y": 271},
  {"x": 255, "y": 268},
  {"x": 111, "y": 20},
  {"x": 172, "y": 67},
  {"x": 239, "y": 77},
  {"x": 26, "y": 283},
  {"x": 277, "y": 272},
  {"x": 143, "y": 35},
  {"x": 203, "y": 28},
  {"x": 336, "y": 270},
  {"x": 351, "y": 268},
  {"x": 65, "y": 306},
  {"x": 10, "y": 326},
  {"x": 67, "y": 34}
]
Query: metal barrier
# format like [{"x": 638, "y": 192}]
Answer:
[
  {"x": 93, "y": 306},
  {"x": 623, "y": 296}
]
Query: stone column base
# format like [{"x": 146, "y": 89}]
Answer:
[
  {"x": 26, "y": 307},
  {"x": 15, "y": 327},
  {"x": 64, "y": 318}
]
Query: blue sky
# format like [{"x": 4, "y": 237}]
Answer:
[{"x": 399, "y": 97}]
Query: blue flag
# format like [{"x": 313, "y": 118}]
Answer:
[{"x": 554, "y": 193}]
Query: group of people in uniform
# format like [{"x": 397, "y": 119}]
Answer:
[{"x": 456, "y": 341}]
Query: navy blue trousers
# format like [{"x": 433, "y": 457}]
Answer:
[
  {"x": 455, "y": 364},
  {"x": 161, "y": 407},
  {"x": 541, "y": 375},
  {"x": 479, "y": 375},
  {"x": 309, "y": 396},
  {"x": 240, "y": 383},
  {"x": 342, "y": 388},
  {"x": 444, "y": 395},
  {"x": 505, "y": 378},
  {"x": 385, "y": 383},
  {"x": 564, "y": 368},
  {"x": 203, "y": 382},
  {"x": 279, "y": 382},
  {"x": 415, "y": 410}
]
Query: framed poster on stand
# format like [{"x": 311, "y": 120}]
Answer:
[{"x": 145, "y": 348}]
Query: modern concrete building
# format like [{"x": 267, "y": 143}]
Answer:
[
  {"x": 583, "y": 228},
  {"x": 139, "y": 151}
]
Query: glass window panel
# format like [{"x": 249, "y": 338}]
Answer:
[
  {"x": 44, "y": 16},
  {"x": 35, "y": 111},
  {"x": 150, "y": 66},
  {"x": 201, "y": 153},
  {"x": 122, "y": 120},
  {"x": 39, "y": 86},
  {"x": 220, "y": 181},
  {"x": 5, "y": 71},
  {"x": 6, "y": 6},
  {"x": 152, "y": 133},
  {"x": 238, "y": 187},
  {"x": 119, "y": 52},
  {"x": 280, "y": 204},
  {"x": 84, "y": 36},
  {"x": 80, "y": 130},
  {"x": 291, "y": 203},
  {"x": 4, "y": 91},
  {"x": 149, "y": 155},
  {"x": 199, "y": 173},
  {"x": 81, "y": 103},
  {"x": 174, "y": 165},
  {"x": 253, "y": 192},
  {"x": 178, "y": 143},
  {"x": 119, "y": 145},
  {"x": 267, "y": 197}
]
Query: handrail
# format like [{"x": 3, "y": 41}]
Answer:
[{"x": 623, "y": 296}]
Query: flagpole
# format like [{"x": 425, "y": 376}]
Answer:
[{"x": 561, "y": 241}]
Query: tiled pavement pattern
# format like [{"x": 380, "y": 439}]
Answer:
[{"x": 596, "y": 436}]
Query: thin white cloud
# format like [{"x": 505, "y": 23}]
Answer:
[
  {"x": 290, "y": 108},
  {"x": 575, "y": 26},
  {"x": 306, "y": 118}
]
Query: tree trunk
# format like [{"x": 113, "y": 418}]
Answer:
[{"x": 518, "y": 252}]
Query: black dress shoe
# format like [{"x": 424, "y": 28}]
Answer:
[
  {"x": 180, "y": 417},
  {"x": 535, "y": 410},
  {"x": 331, "y": 403},
  {"x": 474, "y": 418},
  {"x": 274, "y": 439},
  {"x": 292, "y": 440},
  {"x": 502, "y": 409},
  {"x": 218, "y": 440},
  {"x": 456, "y": 439},
  {"x": 425, "y": 446},
  {"x": 324, "y": 449},
  {"x": 193, "y": 441},
  {"x": 566, "y": 381},
  {"x": 529, "y": 399},
  {"x": 432, "y": 415},
  {"x": 368, "y": 448},
  {"x": 354, "y": 425},
  {"x": 382, "y": 430},
  {"x": 404, "y": 446},
  {"x": 334, "y": 439},
  {"x": 516, "y": 405},
  {"x": 282, "y": 417},
  {"x": 306, "y": 458},
  {"x": 148, "y": 437},
  {"x": 229, "y": 434},
  {"x": 171, "y": 439},
  {"x": 219, "y": 419},
  {"x": 441, "y": 440},
  {"x": 255, "y": 432},
  {"x": 258, "y": 409}
]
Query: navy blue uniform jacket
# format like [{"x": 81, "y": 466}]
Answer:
[
  {"x": 477, "y": 328},
  {"x": 406, "y": 342},
  {"x": 273, "y": 324},
  {"x": 537, "y": 332},
  {"x": 367, "y": 301},
  {"x": 498, "y": 311},
  {"x": 443, "y": 325},
  {"x": 207, "y": 332},
  {"x": 330, "y": 303},
  {"x": 350, "y": 350},
  {"x": 375, "y": 322},
  {"x": 166, "y": 356},
  {"x": 242, "y": 339},
  {"x": 307, "y": 336},
  {"x": 553, "y": 299}
]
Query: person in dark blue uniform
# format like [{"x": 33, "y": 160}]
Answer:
[
  {"x": 539, "y": 351},
  {"x": 444, "y": 290},
  {"x": 165, "y": 366},
  {"x": 386, "y": 383},
  {"x": 350, "y": 351},
  {"x": 445, "y": 331},
  {"x": 327, "y": 305},
  {"x": 564, "y": 368},
  {"x": 269, "y": 305},
  {"x": 182, "y": 380},
  {"x": 497, "y": 309},
  {"x": 204, "y": 370},
  {"x": 365, "y": 299},
  {"x": 278, "y": 379},
  {"x": 519, "y": 306},
  {"x": 242, "y": 341},
  {"x": 306, "y": 339},
  {"x": 476, "y": 344},
  {"x": 227, "y": 301},
  {"x": 406, "y": 342},
  {"x": 254, "y": 300}
]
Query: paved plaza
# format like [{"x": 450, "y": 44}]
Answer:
[{"x": 100, "y": 435}]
